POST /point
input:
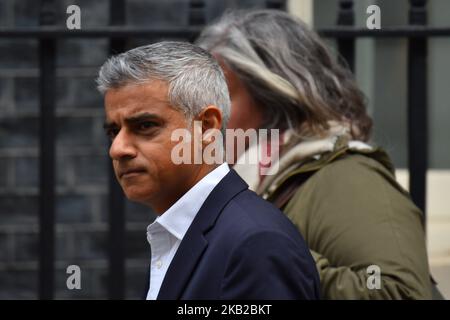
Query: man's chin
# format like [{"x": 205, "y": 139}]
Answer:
[
  {"x": 137, "y": 196},
  {"x": 141, "y": 200}
]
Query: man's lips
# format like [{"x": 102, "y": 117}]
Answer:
[{"x": 128, "y": 173}]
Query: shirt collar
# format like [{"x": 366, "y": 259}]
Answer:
[{"x": 178, "y": 218}]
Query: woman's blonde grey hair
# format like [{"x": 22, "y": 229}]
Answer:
[{"x": 289, "y": 72}]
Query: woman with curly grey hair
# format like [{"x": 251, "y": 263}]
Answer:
[{"x": 365, "y": 234}]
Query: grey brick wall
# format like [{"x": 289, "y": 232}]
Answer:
[{"x": 81, "y": 164}]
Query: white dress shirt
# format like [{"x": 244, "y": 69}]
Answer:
[{"x": 167, "y": 231}]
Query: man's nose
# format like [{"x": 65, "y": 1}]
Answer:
[{"x": 122, "y": 146}]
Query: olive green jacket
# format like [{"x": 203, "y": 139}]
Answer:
[{"x": 353, "y": 214}]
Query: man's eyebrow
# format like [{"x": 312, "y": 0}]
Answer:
[
  {"x": 142, "y": 117},
  {"x": 109, "y": 125},
  {"x": 132, "y": 120}
]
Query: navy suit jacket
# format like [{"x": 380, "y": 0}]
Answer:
[{"x": 240, "y": 246}]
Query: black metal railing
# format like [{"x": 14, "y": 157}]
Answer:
[
  {"x": 47, "y": 83},
  {"x": 345, "y": 33}
]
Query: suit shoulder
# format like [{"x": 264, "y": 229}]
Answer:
[{"x": 247, "y": 215}]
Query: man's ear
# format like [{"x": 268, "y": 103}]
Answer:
[{"x": 211, "y": 118}]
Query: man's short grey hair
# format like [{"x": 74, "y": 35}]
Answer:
[{"x": 194, "y": 77}]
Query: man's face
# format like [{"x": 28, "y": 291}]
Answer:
[{"x": 140, "y": 122}]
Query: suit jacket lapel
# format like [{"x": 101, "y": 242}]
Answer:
[{"x": 194, "y": 243}]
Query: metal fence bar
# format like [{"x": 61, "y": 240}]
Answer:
[
  {"x": 47, "y": 83},
  {"x": 417, "y": 108},
  {"x": 113, "y": 32},
  {"x": 411, "y": 31},
  {"x": 196, "y": 17},
  {"x": 196, "y": 13},
  {"x": 116, "y": 199},
  {"x": 276, "y": 4},
  {"x": 346, "y": 46}
]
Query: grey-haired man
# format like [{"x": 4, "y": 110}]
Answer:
[{"x": 213, "y": 238}]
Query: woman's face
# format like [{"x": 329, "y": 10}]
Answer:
[{"x": 245, "y": 114}]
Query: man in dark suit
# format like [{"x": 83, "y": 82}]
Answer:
[{"x": 213, "y": 238}]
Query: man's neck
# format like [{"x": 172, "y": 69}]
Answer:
[{"x": 202, "y": 172}]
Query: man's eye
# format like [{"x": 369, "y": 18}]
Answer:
[
  {"x": 112, "y": 133},
  {"x": 146, "y": 125}
]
